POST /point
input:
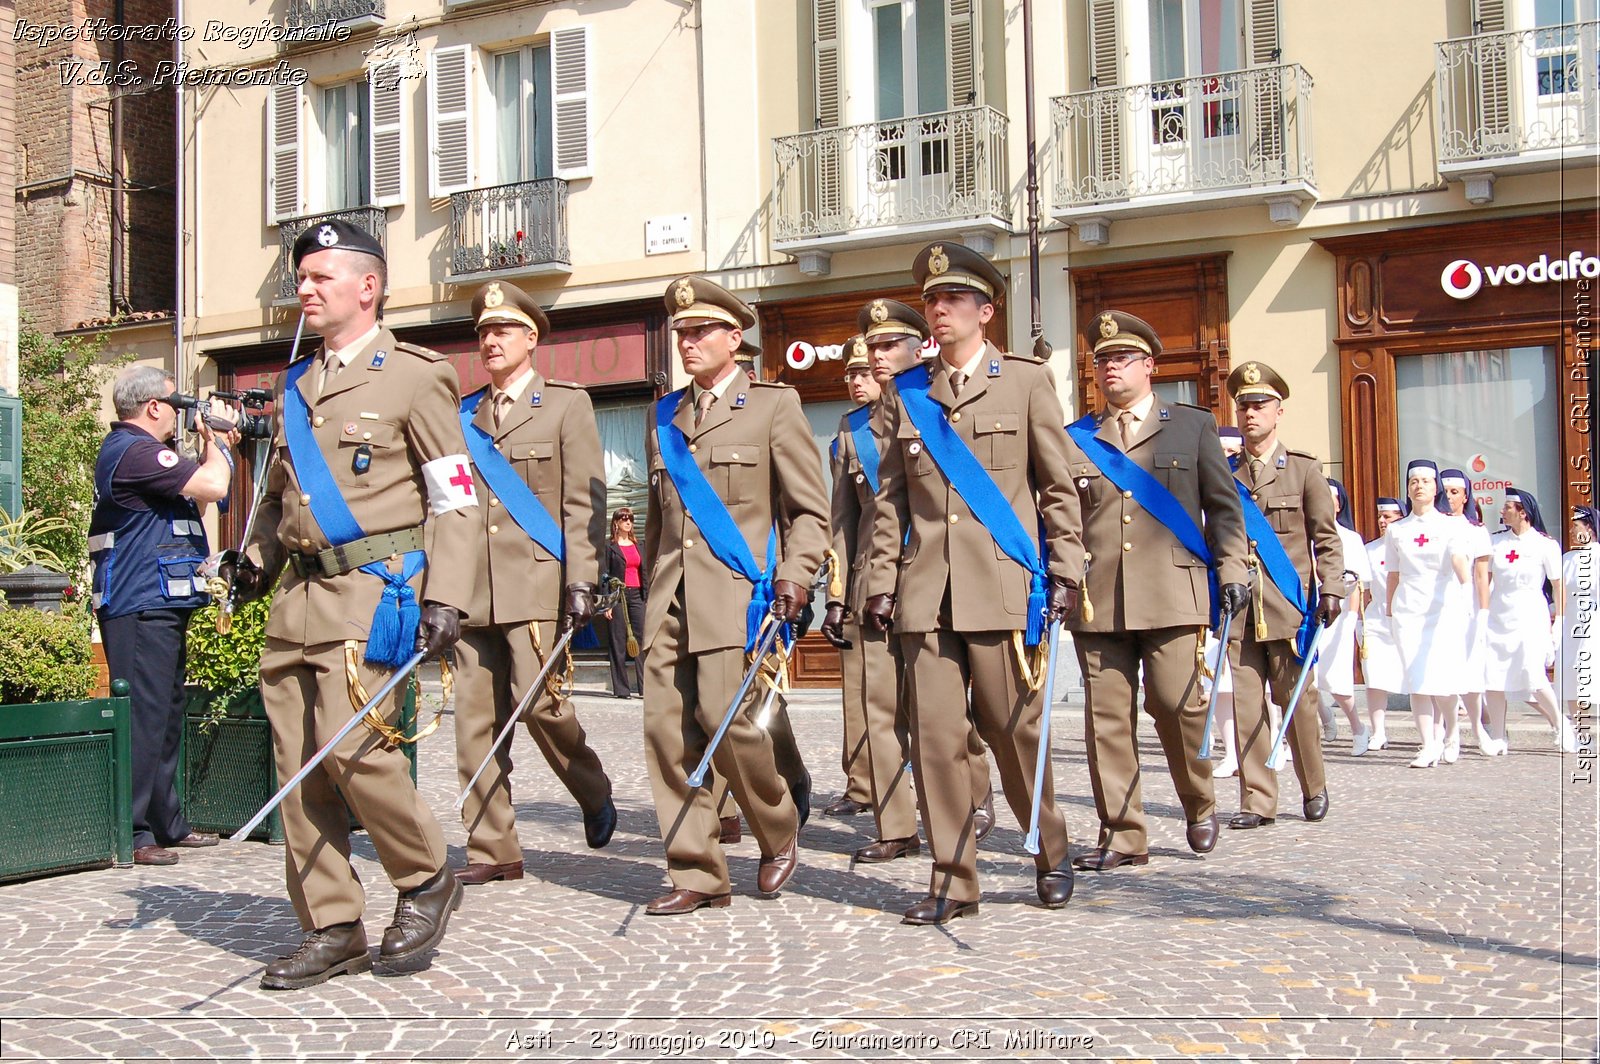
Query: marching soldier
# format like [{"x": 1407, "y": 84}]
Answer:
[
  {"x": 1150, "y": 476},
  {"x": 977, "y": 463},
  {"x": 538, "y": 467},
  {"x": 738, "y": 515},
  {"x": 1291, "y": 529},
  {"x": 369, "y": 509}
]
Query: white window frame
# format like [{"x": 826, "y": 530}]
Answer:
[
  {"x": 489, "y": 157},
  {"x": 317, "y": 158}
]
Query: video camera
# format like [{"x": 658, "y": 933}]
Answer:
[{"x": 256, "y": 426}]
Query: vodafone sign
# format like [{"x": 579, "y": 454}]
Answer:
[{"x": 1463, "y": 278}]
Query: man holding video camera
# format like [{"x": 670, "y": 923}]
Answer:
[{"x": 146, "y": 543}]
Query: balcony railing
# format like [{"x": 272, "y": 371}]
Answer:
[
  {"x": 374, "y": 220},
  {"x": 1503, "y": 95},
  {"x": 947, "y": 167},
  {"x": 516, "y": 228},
  {"x": 1231, "y": 132},
  {"x": 304, "y": 14}
]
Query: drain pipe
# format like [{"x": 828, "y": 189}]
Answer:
[
  {"x": 119, "y": 300},
  {"x": 178, "y": 362}
]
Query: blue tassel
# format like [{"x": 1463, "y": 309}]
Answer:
[
  {"x": 383, "y": 638},
  {"x": 1036, "y": 608}
]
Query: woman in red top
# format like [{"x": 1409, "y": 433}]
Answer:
[{"x": 625, "y": 562}]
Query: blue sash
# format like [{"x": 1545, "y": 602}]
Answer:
[
  {"x": 866, "y": 443},
  {"x": 1149, "y": 493},
  {"x": 393, "y": 633},
  {"x": 514, "y": 494},
  {"x": 717, "y": 526},
  {"x": 976, "y": 488},
  {"x": 1275, "y": 560}
]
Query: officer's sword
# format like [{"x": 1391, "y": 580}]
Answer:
[
  {"x": 383, "y": 692},
  {"x": 698, "y": 776},
  {"x": 1204, "y": 753},
  {"x": 1275, "y": 758},
  {"x": 1031, "y": 844}
]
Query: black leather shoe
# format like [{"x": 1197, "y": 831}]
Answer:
[
  {"x": 888, "y": 850},
  {"x": 846, "y": 806},
  {"x": 420, "y": 917},
  {"x": 1202, "y": 834},
  {"x": 1104, "y": 860},
  {"x": 330, "y": 951},
  {"x": 983, "y": 818},
  {"x": 1246, "y": 821},
  {"x": 931, "y": 910},
  {"x": 728, "y": 830},
  {"x": 154, "y": 855},
  {"x": 474, "y": 874},
  {"x": 598, "y": 825},
  {"x": 686, "y": 901},
  {"x": 800, "y": 791},
  {"x": 1055, "y": 887},
  {"x": 775, "y": 871},
  {"x": 1316, "y": 807}
]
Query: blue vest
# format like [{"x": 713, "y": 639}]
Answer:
[{"x": 143, "y": 559}]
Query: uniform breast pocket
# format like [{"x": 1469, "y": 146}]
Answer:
[
  {"x": 535, "y": 464},
  {"x": 1283, "y": 512},
  {"x": 1173, "y": 468},
  {"x": 361, "y": 443},
  {"x": 733, "y": 471},
  {"x": 1088, "y": 481},
  {"x": 997, "y": 436},
  {"x": 913, "y": 454}
]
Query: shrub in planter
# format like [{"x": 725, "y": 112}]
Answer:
[
  {"x": 45, "y": 657},
  {"x": 227, "y": 667}
]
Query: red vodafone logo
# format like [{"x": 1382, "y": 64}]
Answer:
[{"x": 1461, "y": 279}]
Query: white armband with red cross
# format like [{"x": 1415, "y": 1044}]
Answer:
[{"x": 449, "y": 482}]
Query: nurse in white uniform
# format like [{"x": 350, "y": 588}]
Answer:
[
  {"x": 1520, "y": 639},
  {"x": 1578, "y": 671},
  {"x": 1456, "y": 497},
  {"x": 1429, "y": 565},
  {"x": 1380, "y": 658},
  {"x": 1335, "y": 670}
]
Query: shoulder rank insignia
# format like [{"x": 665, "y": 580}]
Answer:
[
  {"x": 1166, "y": 415},
  {"x": 738, "y": 400},
  {"x": 1283, "y": 461},
  {"x": 377, "y": 359},
  {"x": 994, "y": 367},
  {"x": 538, "y": 397}
]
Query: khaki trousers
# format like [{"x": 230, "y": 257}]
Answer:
[
  {"x": 939, "y": 668},
  {"x": 1255, "y": 666},
  {"x": 1111, "y": 663},
  {"x": 497, "y": 663},
  {"x": 873, "y": 674},
  {"x": 685, "y": 696},
  {"x": 307, "y": 699}
]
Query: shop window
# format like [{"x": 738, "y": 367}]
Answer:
[
  {"x": 1493, "y": 414},
  {"x": 622, "y": 427}
]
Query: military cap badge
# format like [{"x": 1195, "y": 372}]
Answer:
[
  {"x": 879, "y": 312},
  {"x": 493, "y": 297},
  {"x": 938, "y": 261},
  {"x": 1251, "y": 374},
  {"x": 1108, "y": 326},
  {"x": 327, "y": 236},
  {"x": 683, "y": 292}
]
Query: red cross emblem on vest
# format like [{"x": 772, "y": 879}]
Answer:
[
  {"x": 462, "y": 479},
  {"x": 1512, "y": 556},
  {"x": 1422, "y": 540}
]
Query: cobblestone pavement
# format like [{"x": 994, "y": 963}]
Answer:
[{"x": 1435, "y": 915}]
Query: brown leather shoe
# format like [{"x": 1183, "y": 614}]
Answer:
[
  {"x": 1055, "y": 886},
  {"x": 1246, "y": 821},
  {"x": 196, "y": 840},
  {"x": 1316, "y": 807},
  {"x": 889, "y": 849},
  {"x": 1104, "y": 860},
  {"x": 931, "y": 910},
  {"x": 847, "y": 806},
  {"x": 983, "y": 818},
  {"x": 686, "y": 901},
  {"x": 1202, "y": 834},
  {"x": 420, "y": 917},
  {"x": 473, "y": 874},
  {"x": 598, "y": 826},
  {"x": 154, "y": 855},
  {"x": 776, "y": 870},
  {"x": 730, "y": 832},
  {"x": 327, "y": 952}
]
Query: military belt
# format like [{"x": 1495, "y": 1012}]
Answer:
[{"x": 356, "y": 553}]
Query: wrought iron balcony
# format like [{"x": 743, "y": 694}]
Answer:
[
  {"x": 353, "y": 14},
  {"x": 374, "y": 220},
  {"x": 510, "y": 229},
  {"x": 1216, "y": 140},
  {"x": 882, "y": 182},
  {"x": 1521, "y": 100}
]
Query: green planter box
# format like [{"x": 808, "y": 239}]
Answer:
[
  {"x": 228, "y": 771},
  {"x": 66, "y": 793}
]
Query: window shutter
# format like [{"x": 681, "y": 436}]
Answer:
[
  {"x": 570, "y": 76},
  {"x": 1262, "y": 47},
  {"x": 825, "y": 50},
  {"x": 1105, "y": 67},
  {"x": 449, "y": 121},
  {"x": 386, "y": 149},
  {"x": 824, "y": 184},
  {"x": 1265, "y": 97},
  {"x": 1493, "y": 73},
  {"x": 963, "y": 21},
  {"x": 1488, "y": 16},
  {"x": 11, "y": 455},
  {"x": 283, "y": 153}
]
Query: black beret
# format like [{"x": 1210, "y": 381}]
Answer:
[{"x": 336, "y": 233}]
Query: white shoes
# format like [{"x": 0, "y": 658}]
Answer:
[
  {"x": 1429, "y": 757},
  {"x": 1567, "y": 737},
  {"x": 1499, "y": 747},
  {"x": 1360, "y": 742},
  {"x": 1379, "y": 740},
  {"x": 1486, "y": 743},
  {"x": 1330, "y": 722},
  {"x": 1229, "y": 767},
  {"x": 1452, "y": 749}
]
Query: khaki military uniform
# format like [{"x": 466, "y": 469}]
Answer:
[
  {"x": 400, "y": 405},
  {"x": 756, "y": 450},
  {"x": 550, "y": 440},
  {"x": 1150, "y": 601},
  {"x": 960, "y": 599},
  {"x": 1293, "y": 494}
]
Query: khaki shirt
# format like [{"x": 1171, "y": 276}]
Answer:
[{"x": 1293, "y": 494}]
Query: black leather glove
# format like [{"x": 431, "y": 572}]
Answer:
[
  {"x": 579, "y": 608},
  {"x": 833, "y": 626},
  {"x": 1063, "y": 600},
  {"x": 1235, "y": 597},
  {"x": 439, "y": 628},
  {"x": 1327, "y": 610},
  {"x": 880, "y": 612},
  {"x": 789, "y": 599},
  {"x": 249, "y": 582}
]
